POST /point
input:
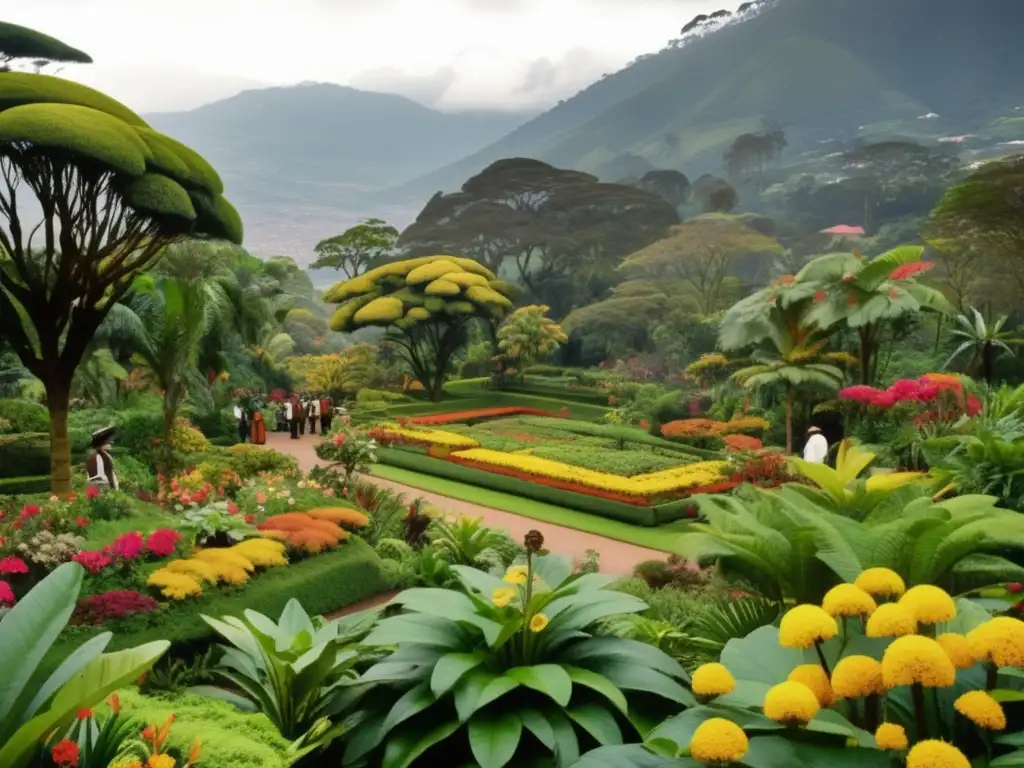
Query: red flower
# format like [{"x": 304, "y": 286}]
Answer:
[
  {"x": 819, "y": 297},
  {"x": 92, "y": 561},
  {"x": 116, "y": 604},
  {"x": 908, "y": 271},
  {"x": 84, "y": 714},
  {"x": 884, "y": 400},
  {"x": 29, "y": 510},
  {"x": 1015, "y": 587},
  {"x": 73, "y": 497},
  {"x": 65, "y": 753},
  {"x": 644, "y": 424},
  {"x": 17, "y": 525},
  {"x": 974, "y": 405},
  {"x": 82, "y": 522},
  {"x": 6, "y": 594},
  {"x": 163, "y": 542},
  {"x": 12, "y": 565},
  {"x": 128, "y": 545},
  {"x": 92, "y": 492},
  {"x": 232, "y": 508},
  {"x": 787, "y": 280},
  {"x": 261, "y": 498},
  {"x": 250, "y": 519},
  {"x": 859, "y": 394},
  {"x": 339, "y": 440}
]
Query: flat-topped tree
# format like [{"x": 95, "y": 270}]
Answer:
[
  {"x": 427, "y": 305},
  {"x": 90, "y": 197},
  {"x": 18, "y": 42}
]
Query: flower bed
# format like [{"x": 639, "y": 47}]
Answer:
[
  {"x": 478, "y": 413},
  {"x": 639, "y": 489},
  {"x": 428, "y": 438}
]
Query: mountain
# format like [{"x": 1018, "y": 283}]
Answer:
[
  {"x": 298, "y": 160},
  {"x": 822, "y": 69}
]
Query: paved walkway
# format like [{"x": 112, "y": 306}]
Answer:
[{"x": 617, "y": 557}]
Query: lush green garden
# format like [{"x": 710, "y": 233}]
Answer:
[{"x": 220, "y": 607}]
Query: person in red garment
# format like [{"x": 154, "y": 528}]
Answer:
[{"x": 258, "y": 429}]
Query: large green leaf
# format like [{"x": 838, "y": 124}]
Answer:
[
  {"x": 26, "y": 633},
  {"x": 412, "y": 702},
  {"x": 494, "y": 737},
  {"x": 420, "y": 629},
  {"x": 680, "y": 729},
  {"x": 70, "y": 667},
  {"x": 597, "y": 606},
  {"x": 89, "y": 687},
  {"x": 549, "y": 679},
  {"x": 598, "y": 722},
  {"x": 567, "y": 745},
  {"x": 600, "y": 684},
  {"x": 779, "y": 752},
  {"x": 760, "y": 658},
  {"x": 613, "y": 649},
  {"x": 633, "y": 677},
  {"x": 450, "y": 669},
  {"x": 632, "y": 756},
  {"x": 403, "y": 750}
]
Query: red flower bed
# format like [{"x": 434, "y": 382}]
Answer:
[
  {"x": 635, "y": 501},
  {"x": 116, "y": 604},
  {"x": 478, "y": 413}
]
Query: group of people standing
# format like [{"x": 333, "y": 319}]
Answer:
[
  {"x": 251, "y": 427},
  {"x": 298, "y": 411}
]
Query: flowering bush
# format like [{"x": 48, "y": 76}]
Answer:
[
  {"x": 232, "y": 565},
  {"x": 933, "y": 397},
  {"x": 742, "y": 443},
  {"x": 349, "y": 450},
  {"x": 163, "y": 542},
  {"x": 109, "y": 606}
]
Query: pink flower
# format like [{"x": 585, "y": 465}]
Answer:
[
  {"x": 11, "y": 565},
  {"x": 859, "y": 394},
  {"x": 92, "y": 561},
  {"x": 908, "y": 271},
  {"x": 6, "y": 594},
  {"x": 232, "y": 508},
  {"x": 129, "y": 545},
  {"x": 819, "y": 297},
  {"x": 163, "y": 542},
  {"x": 339, "y": 440},
  {"x": 974, "y": 405},
  {"x": 82, "y": 522},
  {"x": 92, "y": 492},
  {"x": 250, "y": 519},
  {"x": 884, "y": 400},
  {"x": 29, "y": 510},
  {"x": 261, "y": 498},
  {"x": 927, "y": 392}
]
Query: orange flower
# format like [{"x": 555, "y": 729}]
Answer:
[{"x": 115, "y": 703}]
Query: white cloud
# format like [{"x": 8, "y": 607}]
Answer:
[{"x": 453, "y": 53}]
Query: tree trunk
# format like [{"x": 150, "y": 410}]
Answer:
[
  {"x": 865, "y": 355},
  {"x": 789, "y": 419},
  {"x": 58, "y": 398}
]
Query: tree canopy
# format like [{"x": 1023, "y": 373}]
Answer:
[
  {"x": 18, "y": 42},
  {"x": 357, "y": 249}
]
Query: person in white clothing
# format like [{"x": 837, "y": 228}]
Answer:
[{"x": 816, "y": 447}]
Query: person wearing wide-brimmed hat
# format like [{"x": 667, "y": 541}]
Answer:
[
  {"x": 99, "y": 465},
  {"x": 816, "y": 447}
]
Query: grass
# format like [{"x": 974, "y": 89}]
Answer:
[
  {"x": 145, "y": 518},
  {"x": 653, "y": 538}
]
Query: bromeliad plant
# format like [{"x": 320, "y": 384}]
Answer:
[
  {"x": 293, "y": 670},
  {"x": 508, "y": 673},
  {"x": 877, "y": 673},
  {"x": 91, "y": 741}
]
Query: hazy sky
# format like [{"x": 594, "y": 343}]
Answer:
[{"x": 163, "y": 55}]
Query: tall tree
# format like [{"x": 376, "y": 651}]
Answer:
[
  {"x": 357, "y": 249},
  {"x": 426, "y": 305},
  {"x": 698, "y": 258},
  {"x": 24, "y": 44},
  {"x": 529, "y": 335},
  {"x": 749, "y": 155},
  {"x": 714, "y": 194},
  {"x": 670, "y": 184},
  {"x": 112, "y": 194}
]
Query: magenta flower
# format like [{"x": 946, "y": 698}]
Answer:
[
  {"x": 128, "y": 545},
  {"x": 6, "y": 594},
  {"x": 12, "y": 565}
]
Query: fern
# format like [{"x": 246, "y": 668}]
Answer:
[{"x": 722, "y": 622}]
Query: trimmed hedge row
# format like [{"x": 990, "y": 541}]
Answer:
[
  {"x": 24, "y": 455},
  {"x": 615, "y": 510},
  {"x": 323, "y": 584},
  {"x": 24, "y": 486},
  {"x": 591, "y": 395},
  {"x": 581, "y": 411}
]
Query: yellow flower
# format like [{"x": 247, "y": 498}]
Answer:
[
  {"x": 981, "y": 709},
  {"x": 517, "y": 574},
  {"x": 958, "y": 650},
  {"x": 916, "y": 659},
  {"x": 176, "y": 586},
  {"x": 814, "y": 677},
  {"x": 848, "y": 600},
  {"x": 805, "y": 625},
  {"x": 1000, "y": 641},
  {"x": 791, "y": 703},
  {"x": 881, "y": 582},
  {"x": 718, "y": 741},
  {"x": 891, "y": 620},
  {"x": 502, "y": 596},
  {"x": 160, "y": 761},
  {"x": 712, "y": 680},
  {"x": 936, "y": 754},
  {"x": 890, "y": 736},
  {"x": 929, "y": 604},
  {"x": 857, "y": 676},
  {"x": 538, "y": 622}
]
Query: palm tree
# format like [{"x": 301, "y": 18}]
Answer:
[
  {"x": 986, "y": 342},
  {"x": 174, "y": 317},
  {"x": 530, "y": 335}
]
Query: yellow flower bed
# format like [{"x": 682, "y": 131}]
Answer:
[
  {"x": 229, "y": 565},
  {"x": 422, "y": 435},
  {"x": 654, "y": 484}
]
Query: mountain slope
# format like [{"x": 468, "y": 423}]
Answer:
[
  {"x": 821, "y": 68},
  {"x": 281, "y": 144}
]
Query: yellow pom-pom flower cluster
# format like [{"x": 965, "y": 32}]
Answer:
[
  {"x": 891, "y": 737},
  {"x": 806, "y": 625},
  {"x": 718, "y": 741},
  {"x": 848, "y": 600},
  {"x": 176, "y": 586},
  {"x": 881, "y": 582},
  {"x": 891, "y": 620},
  {"x": 814, "y": 677},
  {"x": 958, "y": 649},
  {"x": 981, "y": 709},
  {"x": 857, "y": 676},
  {"x": 916, "y": 659},
  {"x": 929, "y": 604},
  {"x": 936, "y": 754},
  {"x": 262, "y": 553},
  {"x": 179, "y": 579},
  {"x": 712, "y": 680},
  {"x": 999, "y": 641},
  {"x": 791, "y": 703}
]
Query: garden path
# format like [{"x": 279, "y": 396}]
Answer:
[{"x": 617, "y": 557}]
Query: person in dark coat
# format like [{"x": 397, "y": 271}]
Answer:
[{"x": 99, "y": 465}]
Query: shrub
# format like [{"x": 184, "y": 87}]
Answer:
[
  {"x": 217, "y": 424},
  {"x": 187, "y": 439},
  {"x": 23, "y": 416},
  {"x": 97, "y": 610},
  {"x": 369, "y": 396},
  {"x": 250, "y": 460},
  {"x": 24, "y": 455},
  {"x": 137, "y": 430}
]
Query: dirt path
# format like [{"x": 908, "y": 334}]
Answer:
[{"x": 616, "y": 557}]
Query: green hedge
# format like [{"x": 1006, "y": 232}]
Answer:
[
  {"x": 24, "y": 416},
  {"x": 581, "y": 411},
  {"x": 590, "y": 395},
  {"x": 615, "y": 510},
  {"x": 24, "y": 486},
  {"x": 323, "y": 584},
  {"x": 24, "y": 455}
]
